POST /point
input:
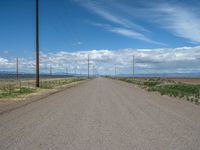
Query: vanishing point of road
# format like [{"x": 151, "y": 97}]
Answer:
[{"x": 102, "y": 114}]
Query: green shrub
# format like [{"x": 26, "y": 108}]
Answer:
[
  {"x": 181, "y": 95},
  {"x": 187, "y": 98},
  {"x": 151, "y": 83},
  {"x": 196, "y": 100},
  {"x": 168, "y": 87}
]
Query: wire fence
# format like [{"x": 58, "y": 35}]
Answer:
[{"x": 13, "y": 88}]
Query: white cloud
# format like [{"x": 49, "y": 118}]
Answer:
[
  {"x": 133, "y": 34},
  {"x": 183, "y": 59},
  {"x": 127, "y": 27},
  {"x": 104, "y": 13},
  {"x": 3, "y": 61},
  {"x": 127, "y": 32},
  {"x": 77, "y": 43},
  {"x": 181, "y": 21}
]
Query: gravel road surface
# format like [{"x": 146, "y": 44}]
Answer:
[{"x": 102, "y": 114}]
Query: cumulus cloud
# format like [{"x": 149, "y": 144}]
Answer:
[
  {"x": 162, "y": 60},
  {"x": 3, "y": 61}
]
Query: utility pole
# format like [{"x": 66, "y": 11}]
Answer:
[
  {"x": 93, "y": 70},
  {"x": 80, "y": 74},
  {"x": 133, "y": 65},
  {"x": 46, "y": 71},
  {"x": 88, "y": 66},
  {"x": 37, "y": 47},
  {"x": 50, "y": 71},
  {"x": 66, "y": 70},
  {"x": 115, "y": 71},
  {"x": 17, "y": 68},
  {"x": 75, "y": 70}
]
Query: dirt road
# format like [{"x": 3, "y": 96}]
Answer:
[{"x": 102, "y": 114}]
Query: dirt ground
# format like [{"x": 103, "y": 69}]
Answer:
[{"x": 102, "y": 114}]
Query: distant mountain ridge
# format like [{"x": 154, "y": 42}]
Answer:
[
  {"x": 164, "y": 75},
  {"x": 22, "y": 74}
]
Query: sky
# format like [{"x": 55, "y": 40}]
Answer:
[{"x": 163, "y": 36}]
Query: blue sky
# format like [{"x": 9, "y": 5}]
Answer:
[{"x": 74, "y": 26}]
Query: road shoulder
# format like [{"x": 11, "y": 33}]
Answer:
[{"x": 10, "y": 105}]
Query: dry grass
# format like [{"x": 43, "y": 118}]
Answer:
[{"x": 22, "y": 90}]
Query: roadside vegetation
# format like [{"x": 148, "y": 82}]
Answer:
[
  {"x": 189, "y": 92},
  {"x": 14, "y": 89}
]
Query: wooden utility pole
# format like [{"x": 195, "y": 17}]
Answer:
[
  {"x": 66, "y": 70},
  {"x": 80, "y": 74},
  {"x": 17, "y": 68},
  {"x": 93, "y": 70},
  {"x": 47, "y": 70},
  {"x": 133, "y": 65},
  {"x": 88, "y": 66},
  {"x": 37, "y": 47},
  {"x": 51, "y": 71},
  {"x": 75, "y": 70},
  {"x": 115, "y": 71}
]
